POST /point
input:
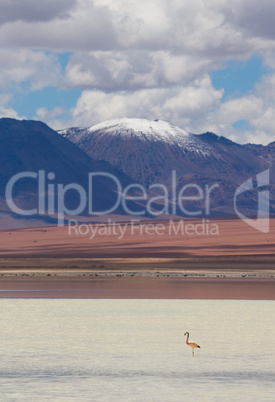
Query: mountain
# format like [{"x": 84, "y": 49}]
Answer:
[
  {"x": 148, "y": 151},
  {"x": 43, "y": 173},
  {"x": 145, "y": 149},
  {"x": 30, "y": 147}
]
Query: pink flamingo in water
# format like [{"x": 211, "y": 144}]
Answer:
[{"x": 192, "y": 344}]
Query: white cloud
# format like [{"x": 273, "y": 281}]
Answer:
[
  {"x": 264, "y": 122},
  {"x": 36, "y": 67},
  {"x": 54, "y": 118},
  {"x": 44, "y": 114},
  {"x": 243, "y": 108},
  {"x": 5, "y": 109},
  {"x": 180, "y": 105},
  {"x": 256, "y": 108},
  {"x": 132, "y": 70}
]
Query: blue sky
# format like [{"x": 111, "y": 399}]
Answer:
[
  {"x": 203, "y": 66},
  {"x": 239, "y": 77},
  {"x": 27, "y": 103}
]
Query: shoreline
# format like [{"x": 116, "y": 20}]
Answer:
[
  {"x": 218, "y": 278},
  {"x": 230, "y": 266},
  {"x": 127, "y": 287}
]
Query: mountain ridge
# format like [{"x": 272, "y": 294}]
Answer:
[
  {"x": 164, "y": 163},
  {"x": 103, "y": 140},
  {"x": 33, "y": 148},
  {"x": 148, "y": 156}
]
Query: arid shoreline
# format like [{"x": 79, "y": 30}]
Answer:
[
  {"x": 139, "y": 287},
  {"x": 48, "y": 262},
  {"x": 144, "y": 278},
  {"x": 230, "y": 266}
]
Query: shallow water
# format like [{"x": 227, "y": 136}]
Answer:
[{"x": 134, "y": 350}]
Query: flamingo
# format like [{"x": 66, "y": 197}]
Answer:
[{"x": 192, "y": 344}]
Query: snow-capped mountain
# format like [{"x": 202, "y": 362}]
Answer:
[
  {"x": 148, "y": 151},
  {"x": 154, "y": 154},
  {"x": 143, "y": 148},
  {"x": 144, "y": 130}
]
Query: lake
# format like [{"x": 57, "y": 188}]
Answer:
[{"x": 134, "y": 350}]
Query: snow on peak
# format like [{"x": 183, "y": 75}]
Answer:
[
  {"x": 150, "y": 130},
  {"x": 142, "y": 127}
]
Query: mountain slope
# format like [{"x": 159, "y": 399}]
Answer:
[
  {"x": 148, "y": 151},
  {"x": 31, "y": 146}
]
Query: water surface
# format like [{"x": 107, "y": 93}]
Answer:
[{"x": 134, "y": 350}]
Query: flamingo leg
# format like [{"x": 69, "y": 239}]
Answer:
[{"x": 192, "y": 351}]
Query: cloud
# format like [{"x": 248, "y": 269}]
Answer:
[
  {"x": 35, "y": 67},
  {"x": 200, "y": 32},
  {"x": 33, "y": 10},
  {"x": 204, "y": 27},
  {"x": 252, "y": 17},
  {"x": 180, "y": 105},
  {"x": 264, "y": 121},
  {"x": 5, "y": 109},
  {"x": 87, "y": 27},
  {"x": 130, "y": 45},
  {"x": 142, "y": 59},
  {"x": 256, "y": 108},
  {"x": 242, "y": 108},
  {"x": 55, "y": 118},
  {"x": 133, "y": 69},
  {"x": 44, "y": 114}
]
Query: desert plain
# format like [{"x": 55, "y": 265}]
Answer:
[{"x": 190, "y": 259}]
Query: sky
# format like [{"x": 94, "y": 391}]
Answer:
[{"x": 202, "y": 65}]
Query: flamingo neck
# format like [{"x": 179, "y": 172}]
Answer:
[{"x": 187, "y": 339}]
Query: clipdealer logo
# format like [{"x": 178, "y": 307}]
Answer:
[
  {"x": 48, "y": 191},
  {"x": 52, "y": 197},
  {"x": 261, "y": 223}
]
